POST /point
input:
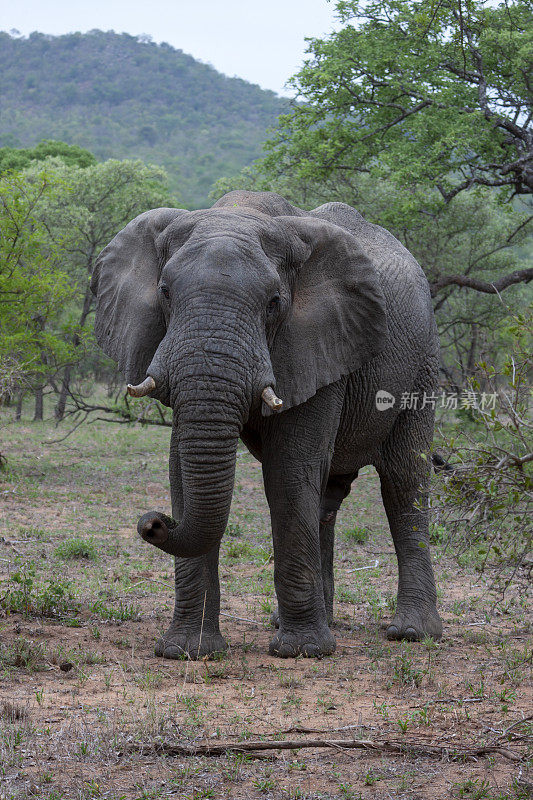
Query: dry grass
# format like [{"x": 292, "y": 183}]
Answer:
[{"x": 83, "y": 699}]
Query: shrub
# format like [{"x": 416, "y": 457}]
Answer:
[{"x": 486, "y": 500}]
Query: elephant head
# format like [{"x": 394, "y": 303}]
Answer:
[{"x": 220, "y": 313}]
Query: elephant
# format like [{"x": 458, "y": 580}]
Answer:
[{"x": 284, "y": 328}]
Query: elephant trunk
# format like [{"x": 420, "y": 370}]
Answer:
[
  {"x": 211, "y": 385},
  {"x": 207, "y": 455},
  {"x": 214, "y": 365}
]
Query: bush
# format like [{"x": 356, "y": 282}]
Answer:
[{"x": 485, "y": 502}]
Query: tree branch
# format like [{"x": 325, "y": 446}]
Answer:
[
  {"x": 464, "y": 281},
  {"x": 455, "y": 752}
]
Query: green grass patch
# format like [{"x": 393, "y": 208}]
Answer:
[
  {"x": 26, "y": 594},
  {"x": 358, "y": 535},
  {"x": 77, "y": 548}
]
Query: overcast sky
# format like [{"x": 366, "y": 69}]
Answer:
[{"x": 262, "y": 41}]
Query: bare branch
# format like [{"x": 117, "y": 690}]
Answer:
[
  {"x": 452, "y": 751},
  {"x": 497, "y": 286}
]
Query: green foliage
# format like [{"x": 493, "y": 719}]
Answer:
[
  {"x": 24, "y": 654},
  {"x": 27, "y": 594},
  {"x": 77, "y": 548},
  {"x": 234, "y": 530},
  {"x": 486, "y": 503},
  {"x": 425, "y": 96},
  {"x": 417, "y": 116},
  {"x": 358, "y": 535},
  {"x": 474, "y": 788},
  {"x": 13, "y": 159},
  {"x": 122, "y": 97},
  {"x": 124, "y": 611},
  {"x": 54, "y": 219},
  {"x": 32, "y": 286},
  {"x": 88, "y": 207},
  {"x": 404, "y": 671}
]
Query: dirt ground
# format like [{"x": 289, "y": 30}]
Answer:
[{"x": 87, "y": 711}]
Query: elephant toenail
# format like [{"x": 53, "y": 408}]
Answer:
[
  {"x": 392, "y": 632},
  {"x": 410, "y": 634}
]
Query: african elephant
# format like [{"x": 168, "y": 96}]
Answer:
[{"x": 258, "y": 320}]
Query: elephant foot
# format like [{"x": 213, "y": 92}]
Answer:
[
  {"x": 274, "y": 618},
  {"x": 310, "y": 644},
  {"x": 181, "y": 644},
  {"x": 414, "y": 624}
]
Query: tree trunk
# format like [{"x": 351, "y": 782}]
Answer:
[
  {"x": 38, "y": 415},
  {"x": 471, "y": 363},
  {"x": 18, "y": 409},
  {"x": 59, "y": 411}
]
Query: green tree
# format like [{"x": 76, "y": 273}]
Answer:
[
  {"x": 427, "y": 95},
  {"x": 33, "y": 289},
  {"x": 419, "y": 116},
  {"x": 90, "y": 206},
  {"x": 15, "y": 159},
  {"x": 122, "y": 96}
]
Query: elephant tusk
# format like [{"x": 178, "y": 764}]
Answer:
[
  {"x": 142, "y": 389},
  {"x": 271, "y": 400}
]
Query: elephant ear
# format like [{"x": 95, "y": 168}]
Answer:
[
  {"x": 337, "y": 320},
  {"x": 129, "y": 323}
]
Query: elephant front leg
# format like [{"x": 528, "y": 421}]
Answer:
[
  {"x": 297, "y": 451},
  {"x": 194, "y": 631},
  {"x": 303, "y": 627}
]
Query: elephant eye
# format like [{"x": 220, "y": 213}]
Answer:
[
  {"x": 273, "y": 305},
  {"x": 165, "y": 291}
]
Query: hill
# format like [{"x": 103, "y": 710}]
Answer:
[{"x": 123, "y": 96}]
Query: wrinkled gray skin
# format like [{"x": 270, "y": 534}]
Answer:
[{"x": 325, "y": 308}]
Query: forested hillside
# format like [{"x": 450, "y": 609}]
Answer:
[{"x": 122, "y": 96}]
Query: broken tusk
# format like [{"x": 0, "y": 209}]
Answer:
[
  {"x": 142, "y": 389},
  {"x": 271, "y": 400}
]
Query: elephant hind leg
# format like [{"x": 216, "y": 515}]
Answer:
[
  {"x": 337, "y": 488},
  {"x": 404, "y": 474}
]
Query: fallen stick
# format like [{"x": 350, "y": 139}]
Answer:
[
  {"x": 440, "y": 751},
  {"x": 370, "y": 566},
  {"x": 241, "y": 619},
  {"x": 451, "y": 700}
]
